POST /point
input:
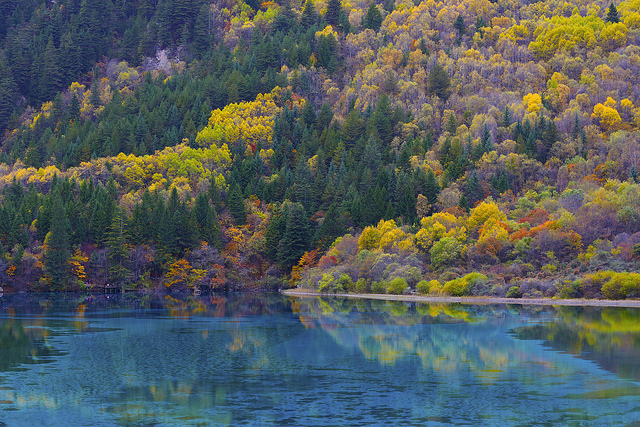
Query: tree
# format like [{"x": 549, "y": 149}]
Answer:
[
  {"x": 612, "y": 14},
  {"x": 56, "y": 246},
  {"x": 295, "y": 239},
  {"x": 459, "y": 25},
  {"x": 309, "y": 15},
  {"x": 235, "y": 203},
  {"x": 331, "y": 228},
  {"x": 373, "y": 19},
  {"x": 117, "y": 245},
  {"x": 439, "y": 82},
  {"x": 332, "y": 15}
]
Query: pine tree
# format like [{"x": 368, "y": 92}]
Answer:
[
  {"x": 235, "y": 204},
  {"x": 432, "y": 188},
  {"x": 116, "y": 242},
  {"x": 334, "y": 9},
  {"x": 473, "y": 190},
  {"x": 459, "y": 25},
  {"x": 332, "y": 227},
  {"x": 56, "y": 246},
  {"x": 633, "y": 174},
  {"x": 295, "y": 240},
  {"x": 612, "y": 14},
  {"x": 373, "y": 19},
  {"x": 439, "y": 82},
  {"x": 506, "y": 117},
  {"x": 309, "y": 15}
]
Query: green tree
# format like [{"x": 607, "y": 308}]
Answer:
[
  {"x": 373, "y": 19},
  {"x": 332, "y": 227},
  {"x": 309, "y": 15},
  {"x": 235, "y": 204},
  {"x": 295, "y": 240},
  {"x": 332, "y": 15},
  {"x": 56, "y": 246},
  {"x": 459, "y": 25},
  {"x": 439, "y": 82},
  {"x": 612, "y": 14},
  {"x": 117, "y": 237}
]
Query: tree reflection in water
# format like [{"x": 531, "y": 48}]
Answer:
[{"x": 272, "y": 359}]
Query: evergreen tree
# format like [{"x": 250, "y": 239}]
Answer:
[
  {"x": 633, "y": 174},
  {"x": 295, "y": 240},
  {"x": 309, "y": 15},
  {"x": 56, "y": 246},
  {"x": 116, "y": 237},
  {"x": 439, "y": 82},
  {"x": 432, "y": 188},
  {"x": 612, "y": 14},
  {"x": 334, "y": 9},
  {"x": 506, "y": 117},
  {"x": 459, "y": 25},
  {"x": 373, "y": 19},
  {"x": 473, "y": 190},
  {"x": 332, "y": 227},
  {"x": 235, "y": 204},
  {"x": 207, "y": 221}
]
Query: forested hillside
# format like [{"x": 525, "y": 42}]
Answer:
[{"x": 459, "y": 147}]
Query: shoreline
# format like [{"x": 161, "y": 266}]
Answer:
[{"x": 472, "y": 300}]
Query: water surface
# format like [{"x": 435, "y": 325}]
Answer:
[{"x": 257, "y": 360}]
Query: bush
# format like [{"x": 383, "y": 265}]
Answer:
[
  {"x": 435, "y": 287},
  {"x": 569, "y": 289},
  {"x": 460, "y": 287},
  {"x": 514, "y": 292},
  {"x": 363, "y": 286},
  {"x": 397, "y": 286},
  {"x": 379, "y": 287},
  {"x": 622, "y": 285},
  {"x": 329, "y": 285},
  {"x": 345, "y": 283},
  {"x": 423, "y": 287}
]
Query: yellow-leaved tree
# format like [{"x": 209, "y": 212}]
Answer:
[{"x": 247, "y": 122}]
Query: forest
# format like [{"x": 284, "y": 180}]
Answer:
[{"x": 458, "y": 147}]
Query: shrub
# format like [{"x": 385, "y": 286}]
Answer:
[
  {"x": 397, "y": 286},
  {"x": 459, "y": 287},
  {"x": 328, "y": 284},
  {"x": 363, "y": 286},
  {"x": 622, "y": 285},
  {"x": 569, "y": 289},
  {"x": 423, "y": 287},
  {"x": 379, "y": 287},
  {"x": 435, "y": 287},
  {"x": 514, "y": 292},
  {"x": 345, "y": 283}
]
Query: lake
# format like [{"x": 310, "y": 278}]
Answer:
[{"x": 256, "y": 360}]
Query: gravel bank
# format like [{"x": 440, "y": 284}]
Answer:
[{"x": 473, "y": 300}]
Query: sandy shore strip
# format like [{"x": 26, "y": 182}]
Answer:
[{"x": 472, "y": 300}]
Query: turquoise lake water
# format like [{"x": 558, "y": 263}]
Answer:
[{"x": 261, "y": 360}]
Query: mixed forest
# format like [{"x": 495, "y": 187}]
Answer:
[{"x": 460, "y": 147}]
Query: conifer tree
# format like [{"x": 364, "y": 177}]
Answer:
[
  {"x": 459, "y": 25},
  {"x": 295, "y": 240},
  {"x": 56, "y": 246},
  {"x": 612, "y": 14},
  {"x": 334, "y": 9},
  {"x": 373, "y": 19},
  {"x": 116, "y": 242},
  {"x": 235, "y": 204},
  {"x": 309, "y": 15},
  {"x": 439, "y": 82}
]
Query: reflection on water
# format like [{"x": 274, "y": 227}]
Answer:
[{"x": 275, "y": 360}]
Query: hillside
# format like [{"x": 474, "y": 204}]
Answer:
[{"x": 460, "y": 147}]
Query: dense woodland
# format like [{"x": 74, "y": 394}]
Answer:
[{"x": 460, "y": 147}]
